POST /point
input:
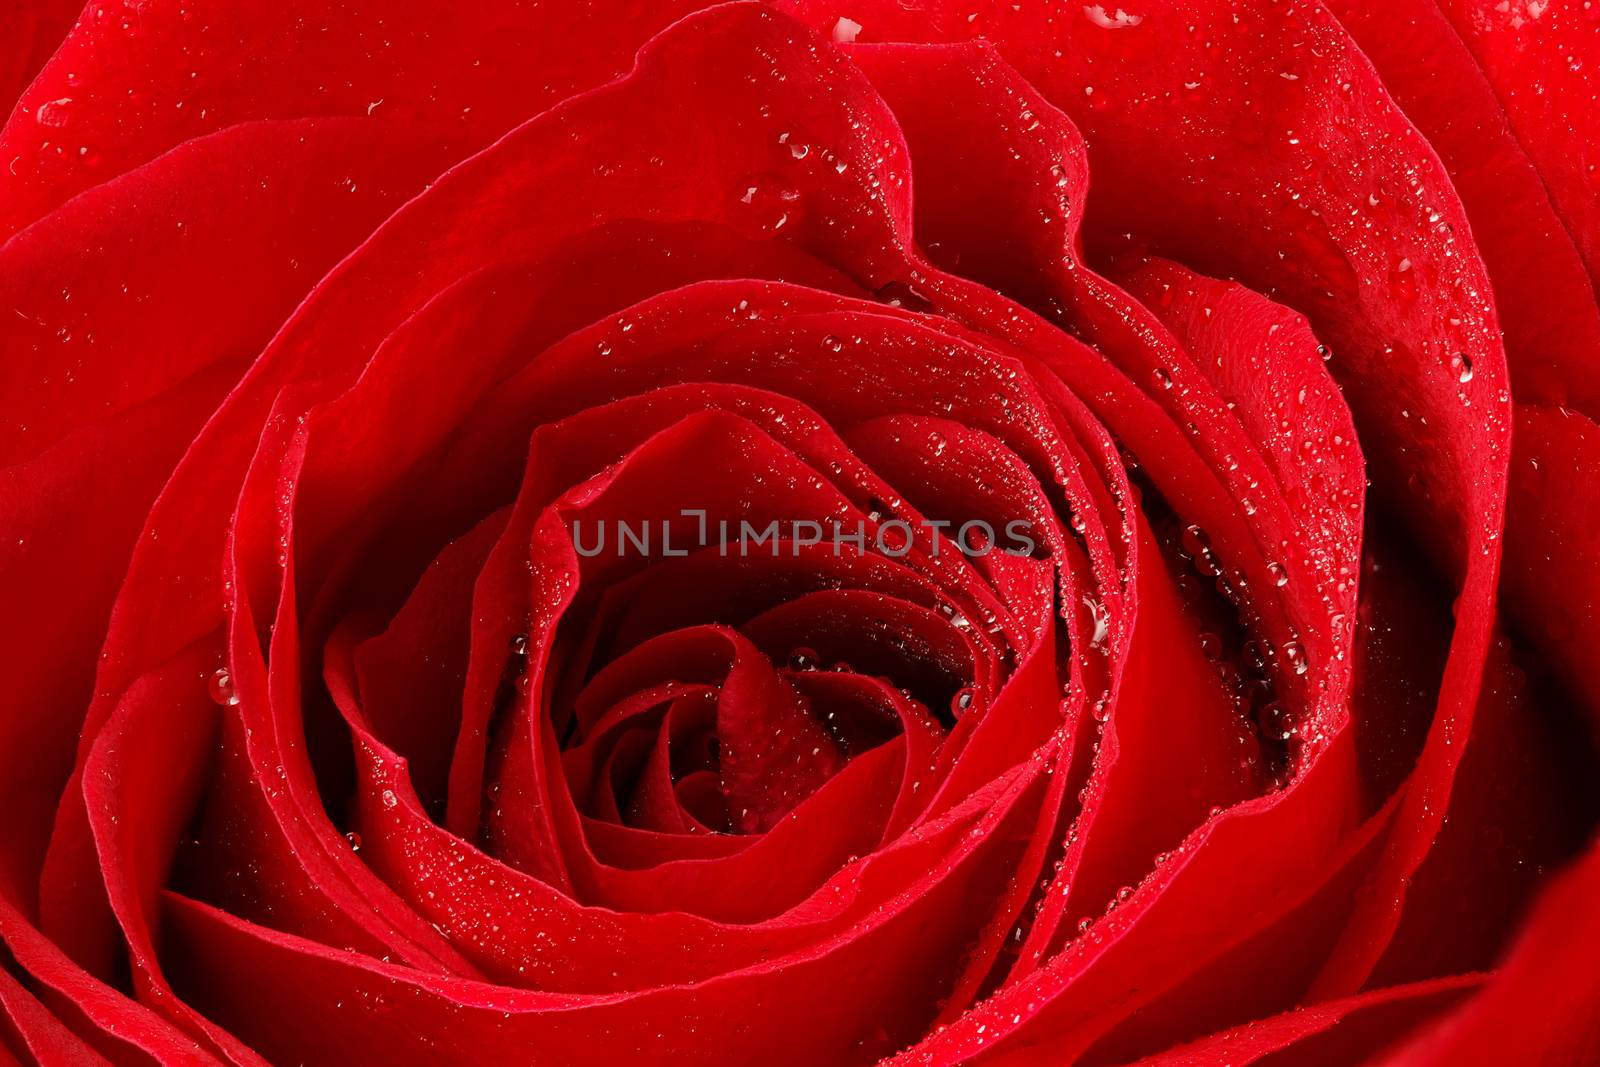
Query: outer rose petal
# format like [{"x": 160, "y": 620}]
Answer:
[
  {"x": 1522, "y": 804},
  {"x": 131, "y": 82},
  {"x": 1552, "y": 579},
  {"x": 27, "y": 1024},
  {"x": 1333, "y": 1033},
  {"x": 152, "y": 339},
  {"x": 1545, "y": 297},
  {"x": 331, "y": 899},
  {"x": 1540, "y": 1007},
  {"x": 30, "y": 32},
  {"x": 1544, "y": 63}
]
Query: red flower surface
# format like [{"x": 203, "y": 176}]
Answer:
[{"x": 1266, "y": 331}]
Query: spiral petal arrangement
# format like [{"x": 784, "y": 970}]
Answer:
[{"x": 792, "y": 535}]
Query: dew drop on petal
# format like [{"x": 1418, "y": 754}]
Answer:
[
  {"x": 222, "y": 690},
  {"x": 1116, "y": 19},
  {"x": 1101, "y": 618},
  {"x": 53, "y": 113},
  {"x": 762, "y": 205}
]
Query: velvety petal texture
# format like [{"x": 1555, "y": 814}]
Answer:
[{"x": 799, "y": 533}]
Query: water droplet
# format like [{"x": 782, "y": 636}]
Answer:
[
  {"x": 1117, "y": 19},
  {"x": 222, "y": 690},
  {"x": 763, "y": 204},
  {"x": 1102, "y": 622},
  {"x": 803, "y": 659},
  {"x": 355, "y": 841},
  {"x": 900, "y": 295},
  {"x": 791, "y": 147},
  {"x": 53, "y": 113},
  {"x": 1461, "y": 363},
  {"x": 1274, "y": 720},
  {"x": 963, "y": 701},
  {"x": 1280, "y": 574},
  {"x": 1403, "y": 280}
]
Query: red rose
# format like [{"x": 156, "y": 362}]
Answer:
[{"x": 1022, "y": 533}]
